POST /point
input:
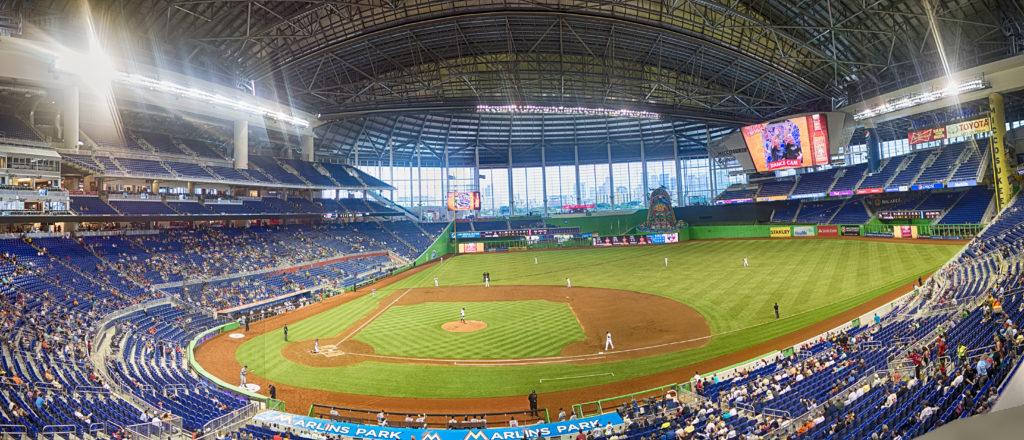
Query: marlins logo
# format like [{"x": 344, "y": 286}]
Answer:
[
  {"x": 276, "y": 417},
  {"x": 475, "y": 435}
]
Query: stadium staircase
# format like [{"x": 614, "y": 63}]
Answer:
[
  {"x": 904, "y": 162},
  {"x": 840, "y": 209},
  {"x": 946, "y": 211},
  {"x": 120, "y": 168},
  {"x": 796, "y": 215},
  {"x": 322, "y": 170},
  {"x": 78, "y": 270},
  {"x": 965, "y": 155},
  {"x": 396, "y": 237},
  {"x": 290, "y": 169},
  {"x": 388, "y": 203},
  {"x": 143, "y": 142},
  {"x": 87, "y": 141}
]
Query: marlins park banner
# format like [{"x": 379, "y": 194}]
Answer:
[{"x": 331, "y": 427}]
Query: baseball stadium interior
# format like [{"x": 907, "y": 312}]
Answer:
[{"x": 511, "y": 220}]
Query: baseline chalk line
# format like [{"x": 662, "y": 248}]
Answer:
[{"x": 608, "y": 373}]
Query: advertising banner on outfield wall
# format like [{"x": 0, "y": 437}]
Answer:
[
  {"x": 331, "y": 427},
  {"x": 781, "y": 232},
  {"x": 828, "y": 231},
  {"x": 470, "y": 248},
  {"x": 849, "y": 231},
  {"x": 636, "y": 240},
  {"x": 803, "y": 231},
  {"x": 904, "y": 231}
]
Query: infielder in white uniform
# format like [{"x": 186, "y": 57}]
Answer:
[
  {"x": 608, "y": 345},
  {"x": 568, "y": 282},
  {"x": 241, "y": 374},
  {"x": 316, "y": 346},
  {"x": 462, "y": 315},
  {"x": 435, "y": 281}
]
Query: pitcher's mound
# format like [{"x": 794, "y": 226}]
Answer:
[{"x": 464, "y": 327}]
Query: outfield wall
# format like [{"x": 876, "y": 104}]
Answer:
[
  {"x": 607, "y": 224},
  {"x": 441, "y": 246}
]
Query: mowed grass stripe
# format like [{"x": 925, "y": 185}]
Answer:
[
  {"x": 515, "y": 330},
  {"x": 811, "y": 280}
]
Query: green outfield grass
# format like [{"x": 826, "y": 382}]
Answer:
[
  {"x": 515, "y": 329},
  {"x": 810, "y": 279}
]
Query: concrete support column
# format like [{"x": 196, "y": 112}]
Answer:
[
  {"x": 576, "y": 155},
  {"x": 446, "y": 184},
  {"x": 69, "y": 118},
  {"x": 391, "y": 169},
  {"x": 679, "y": 174},
  {"x": 511, "y": 192},
  {"x": 544, "y": 177},
  {"x": 241, "y": 154},
  {"x": 611, "y": 177},
  {"x": 419, "y": 177},
  {"x": 643, "y": 166},
  {"x": 476, "y": 175},
  {"x": 307, "y": 148}
]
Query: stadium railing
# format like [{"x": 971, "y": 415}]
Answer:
[
  {"x": 436, "y": 420},
  {"x": 13, "y": 431},
  {"x": 100, "y": 330},
  {"x": 952, "y": 232},
  {"x": 789, "y": 428},
  {"x": 597, "y": 407},
  {"x": 229, "y": 422},
  {"x": 274, "y": 404}
]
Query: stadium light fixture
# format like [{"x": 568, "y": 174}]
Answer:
[
  {"x": 916, "y": 99},
  {"x": 212, "y": 98},
  {"x": 569, "y": 111}
]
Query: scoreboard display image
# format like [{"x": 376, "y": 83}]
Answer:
[{"x": 464, "y": 201}]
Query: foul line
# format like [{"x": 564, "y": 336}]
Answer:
[
  {"x": 374, "y": 317},
  {"x": 608, "y": 373}
]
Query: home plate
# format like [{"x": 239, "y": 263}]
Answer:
[
  {"x": 236, "y": 335},
  {"x": 252, "y": 387},
  {"x": 330, "y": 351}
]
